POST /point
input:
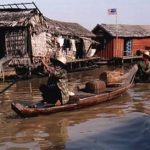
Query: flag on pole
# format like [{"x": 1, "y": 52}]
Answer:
[{"x": 112, "y": 11}]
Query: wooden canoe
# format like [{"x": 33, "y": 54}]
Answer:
[{"x": 83, "y": 99}]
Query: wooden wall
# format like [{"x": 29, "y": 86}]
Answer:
[
  {"x": 114, "y": 48},
  {"x": 105, "y": 51},
  {"x": 140, "y": 44},
  {"x": 16, "y": 42},
  {"x": 118, "y": 47}
]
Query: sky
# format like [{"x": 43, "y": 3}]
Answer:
[{"x": 89, "y": 13}]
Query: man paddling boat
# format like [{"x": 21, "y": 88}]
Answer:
[{"x": 56, "y": 91}]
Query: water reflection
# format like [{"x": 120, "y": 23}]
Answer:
[
  {"x": 141, "y": 98},
  {"x": 36, "y": 133},
  {"x": 131, "y": 132},
  {"x": 112, "y": 122}
]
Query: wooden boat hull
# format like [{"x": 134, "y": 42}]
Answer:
[
  {"x": 25, "y": 111},
  {"x": 84, "y": 100}
]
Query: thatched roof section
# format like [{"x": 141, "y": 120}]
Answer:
[
  {"x": 14, "y": 17},
  {"x": 125, "y": 30},
  {"x": 22, "y": 18},
  {"x": 68, "y": 28},
  {"x": 32, "y": 17}
]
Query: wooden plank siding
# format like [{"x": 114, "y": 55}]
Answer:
[
  {"x": 118, "y": 47},
  {"x": 140, "y": 44},
  {"x": 112, "y": 48},
  {"x": 16, "y": 42},
  {"x": 130, "y": 39},
  {"x": 107, "y": 51}
]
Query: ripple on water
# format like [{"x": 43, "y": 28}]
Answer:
[{"x": 131, "y": 132}]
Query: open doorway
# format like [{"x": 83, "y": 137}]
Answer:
[{"x": 2, "y": 44}]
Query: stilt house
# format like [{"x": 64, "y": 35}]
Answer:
[
  {"x": 26, "y": 34},
  {"x": 18, "y": 25},
  {"x": 121, "y": 40},
  {"x": 71, "y": 31}
]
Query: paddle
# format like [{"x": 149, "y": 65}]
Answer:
[
  {"x": 2, "y": 91},
  {"x": 13, "y": 82}
]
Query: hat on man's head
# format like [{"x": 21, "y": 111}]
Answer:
[
  {"x": 59, "y": 60},
  {"x": 62, "y": 59},
  {"x": 146, "y": 53}
]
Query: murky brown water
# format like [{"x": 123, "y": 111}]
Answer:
[{"x": 122, "y": 124}]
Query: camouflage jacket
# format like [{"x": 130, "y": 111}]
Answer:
[
  {"x": 143, "y": 67},
  {"x": 62, "y": 83}
]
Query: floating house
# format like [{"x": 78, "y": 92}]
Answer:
[
  {"x": 26, "y": 35},
  {"x": 121, "y": 40},
  {"x": 69, "y": 33},
  {"x": 18, "y": 25}
]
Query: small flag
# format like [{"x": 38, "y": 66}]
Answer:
[{"x": 112, "y": 11}]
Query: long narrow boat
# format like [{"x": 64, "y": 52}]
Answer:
[{"x": 82, "y": 99}]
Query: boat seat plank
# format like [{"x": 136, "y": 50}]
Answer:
[
  {"x": 82, "y": 95},
  {"x": 110, "y": 89}
]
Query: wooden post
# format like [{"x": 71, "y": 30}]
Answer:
[{"x": 116, "y": 37}]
